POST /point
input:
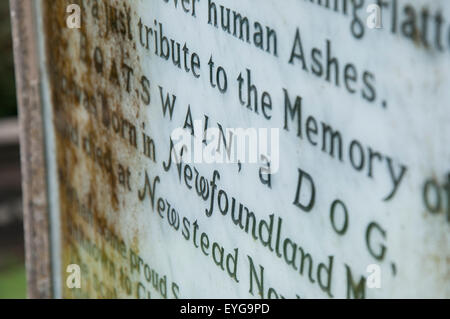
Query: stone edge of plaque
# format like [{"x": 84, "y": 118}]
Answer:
[{"x": 32, "y": 149}]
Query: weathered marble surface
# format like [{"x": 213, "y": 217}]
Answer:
[{"x": 390, "y": 105}]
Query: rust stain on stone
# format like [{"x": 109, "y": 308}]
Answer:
[{"x": 89, "y": 99}]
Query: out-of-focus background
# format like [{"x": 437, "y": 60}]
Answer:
[{"x": 12, "y": 265}]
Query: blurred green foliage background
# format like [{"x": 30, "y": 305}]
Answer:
[
  {"x": 12, "y": 267},
  {"x": 13, "y": 282}
]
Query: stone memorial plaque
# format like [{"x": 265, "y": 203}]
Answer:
[{"x": 246, "y": 149}]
